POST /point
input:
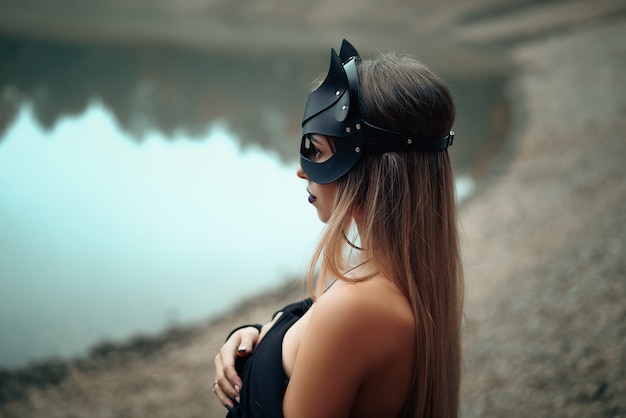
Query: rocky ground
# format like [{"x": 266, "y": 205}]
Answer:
[{"x": 544, "y": 239}]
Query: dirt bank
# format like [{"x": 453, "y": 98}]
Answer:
[{"x": 544, "y": 240}]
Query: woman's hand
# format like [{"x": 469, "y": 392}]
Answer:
[{"x": 228, "y": 384}]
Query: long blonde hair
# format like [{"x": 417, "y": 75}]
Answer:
[{"x": 407, "y": 223}]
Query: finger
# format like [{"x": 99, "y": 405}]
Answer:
[
  {"x": 222, "y": 397},
  {"x": 247, "y": 342},
  {"x": 226, "y": 375},
  {"x": 233, "y": 383}
]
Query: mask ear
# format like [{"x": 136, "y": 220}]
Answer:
[
  {"x": 347, "y": 51},
  {"x": 328, "y": 93}
]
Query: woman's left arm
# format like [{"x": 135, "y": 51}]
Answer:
[{"x": 335, "y": 355}]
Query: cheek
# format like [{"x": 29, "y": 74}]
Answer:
[{"x": 330, "y": 192}]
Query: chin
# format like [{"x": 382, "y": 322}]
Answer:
[{"x": 323, "y": 217}]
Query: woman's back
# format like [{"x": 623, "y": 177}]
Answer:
[{"x": 355, "y": 347}]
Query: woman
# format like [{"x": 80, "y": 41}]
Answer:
[{"x": 380, "y": 338}]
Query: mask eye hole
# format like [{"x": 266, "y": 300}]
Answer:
[{"x": 316, "y": 148}]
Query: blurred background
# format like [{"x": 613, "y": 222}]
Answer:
[
  {"x": 148, "y": 154},
  {"x": 148, "y": 148}
]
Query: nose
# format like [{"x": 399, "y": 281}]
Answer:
[{"x": 300, "y": 172}]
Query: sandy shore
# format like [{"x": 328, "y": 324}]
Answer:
[{"x": 544, "y": 240}]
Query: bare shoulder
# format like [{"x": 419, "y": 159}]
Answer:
[
  {"x": 368, "y": 298},
  {"x": 366, "y": 311},
  {"x": 358, "y": 334}
]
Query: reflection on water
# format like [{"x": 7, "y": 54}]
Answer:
[
  {"x": 165, "y": 89},
  {"x": 259, "y": 97},
  {"x": 126, "y": 202}
]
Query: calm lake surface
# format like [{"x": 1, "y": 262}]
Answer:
[{"x": 144, "y": 188}]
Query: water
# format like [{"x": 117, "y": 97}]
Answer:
[
  {"x": 102, "y": 236},
  {"x": 121, "y": 213}
]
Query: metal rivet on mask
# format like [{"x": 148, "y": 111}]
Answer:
[
  {"x": 344, "y": 107},
  {"x": 358, "y": 126},
  {"x": 337, "y": 93},
  {"x": 348, "y": 129},
  {"x": 357, "y": 149},
  {"x": 409, "y": 141}
]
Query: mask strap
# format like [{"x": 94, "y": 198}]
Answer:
[{"x": 380, "y": 140}]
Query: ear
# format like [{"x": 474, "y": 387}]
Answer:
[{"x": 347, "y": 51}]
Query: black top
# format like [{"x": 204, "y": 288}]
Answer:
[{"x": 263, "y": 375}]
